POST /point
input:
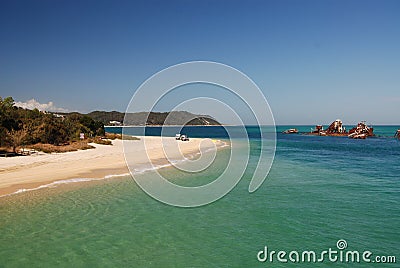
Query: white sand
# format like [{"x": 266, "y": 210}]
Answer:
[{"x": 27, "y": 172}]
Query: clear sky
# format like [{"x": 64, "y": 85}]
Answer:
[{"x": 315, "y": 61}]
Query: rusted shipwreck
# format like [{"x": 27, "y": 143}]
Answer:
[
  {"x": 397, "y": 134},
  {"x": 290, "y": 131},
  {"x": 336, "y": 128},
  {"x": 361, "y": 131}
]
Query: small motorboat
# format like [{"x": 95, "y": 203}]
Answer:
[{"x": 291, "y": 131}]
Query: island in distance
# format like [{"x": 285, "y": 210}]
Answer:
[{"x": 115, "y": 118}]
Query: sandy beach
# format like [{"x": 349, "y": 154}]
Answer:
[{"x": 29, "y": 172}]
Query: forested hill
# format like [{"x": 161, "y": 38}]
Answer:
[{"x": 154, "y": 118}]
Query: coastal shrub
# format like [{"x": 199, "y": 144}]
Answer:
[
  {"x": 50, "y": 148},
  {"x": 131, "y": 138},
  {"x": 113, "y": 136},
  {"x": 19, "y": 126},
  {"x": 99, "y": 140},
  {"x": 16, "y": 138}
]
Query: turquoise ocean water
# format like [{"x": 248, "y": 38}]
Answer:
[{"x": 319, "y": 190}]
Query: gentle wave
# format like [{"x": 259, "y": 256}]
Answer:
[
  {"x": 146, "y": 169},
  {"x": 55, "y": 183}
]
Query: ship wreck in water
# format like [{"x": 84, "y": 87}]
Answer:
[
  {"x": 361, "y": 131},
  {"x": 336, "y": 128},
  {"x": 397, "y": 134},
  {"x": 290, "y": 131}
]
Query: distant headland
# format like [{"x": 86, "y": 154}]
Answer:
[{"x": 179, "y": 118}]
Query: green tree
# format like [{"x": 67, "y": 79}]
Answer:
[
  {"x": 53, "y": 131},
  {"x": 6, "y": 103},
  {"x": 7, "y": 122}
]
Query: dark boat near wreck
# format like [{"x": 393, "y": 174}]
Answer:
[{"x": 291, "y": 131}]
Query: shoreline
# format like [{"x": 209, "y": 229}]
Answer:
[
  {"x": 28, "y": 173},
  {"x": 168, "y": 126}
]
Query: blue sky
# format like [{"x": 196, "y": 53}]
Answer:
[{"x": 313, "y": 60}]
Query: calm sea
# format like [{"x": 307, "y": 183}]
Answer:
[{"x": 319, "y": 190}]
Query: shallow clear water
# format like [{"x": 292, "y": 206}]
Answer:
[{"x": 319, "y": 190}]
